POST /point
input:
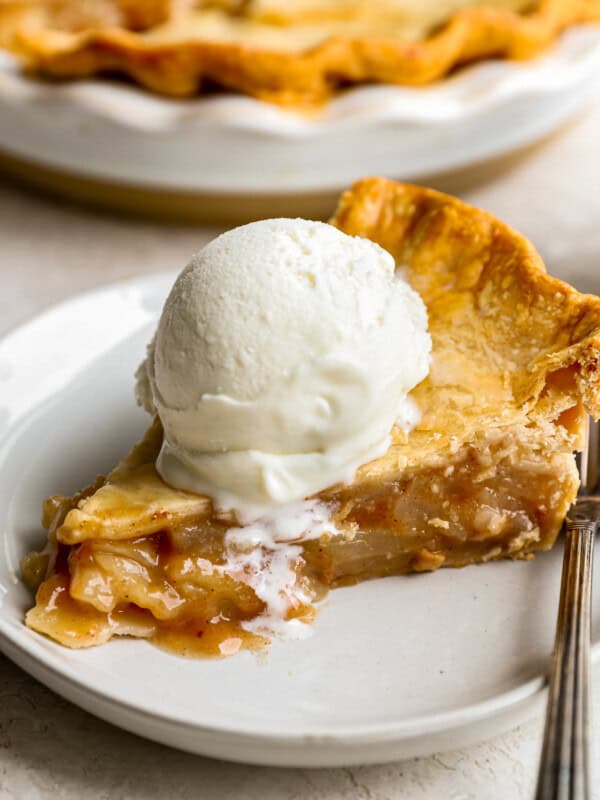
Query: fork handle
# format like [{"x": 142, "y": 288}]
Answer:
[{"x": 564, "y": 767}]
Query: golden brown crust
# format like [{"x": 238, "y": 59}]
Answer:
[
  {"x": 511, "y": 344},
  {"x": 471, "y": 268},
  {"x": 133, "y": 501},
  {"x": 16, "y": 15},
  {"x": 184, "y": 65}
]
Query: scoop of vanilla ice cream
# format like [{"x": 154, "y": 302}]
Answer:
[{"x": 282, "y": 359}]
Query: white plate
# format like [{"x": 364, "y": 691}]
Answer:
[
  {"x": 395, "y": 668},
  {"x": 237, "y": 145}
]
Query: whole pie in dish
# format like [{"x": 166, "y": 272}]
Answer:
[
  {"x": 286, "y": 51},
  {"x": 488, "y": 472}
]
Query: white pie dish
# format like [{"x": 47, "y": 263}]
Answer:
[
  {"x": 395, "y": 668},
  {"x": 237, "y": 145}
]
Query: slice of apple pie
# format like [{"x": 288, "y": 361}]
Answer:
[{"x": 487, "y": 473}]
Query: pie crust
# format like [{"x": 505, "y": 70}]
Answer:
[
  {"x": 488, "y": 473},
  {"x": 296, "y": 53}
]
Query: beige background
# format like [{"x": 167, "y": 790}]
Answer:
[{"x": 50, "y": 250}]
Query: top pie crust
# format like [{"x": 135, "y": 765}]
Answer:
[
  {"x": 513, "y": 349},
  {"x": 296, "y": 52}
]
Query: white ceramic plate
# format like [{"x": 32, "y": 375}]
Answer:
[
  {"x": 237, "y": 145},
  {"x": 395, "y": 668}
]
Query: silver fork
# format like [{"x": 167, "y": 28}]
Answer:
[{"x": 564, "y": 767}]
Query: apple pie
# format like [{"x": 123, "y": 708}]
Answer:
[
  {"x": 488, "y": 473},
  {"x": 295, "y": 52}
]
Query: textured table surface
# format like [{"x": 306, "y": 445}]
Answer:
[{"x": 48, "y": 250}]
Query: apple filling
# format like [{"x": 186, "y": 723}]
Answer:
[
  {"x": 468, "y": 512},
  {"x": 206, "y": 588}
]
